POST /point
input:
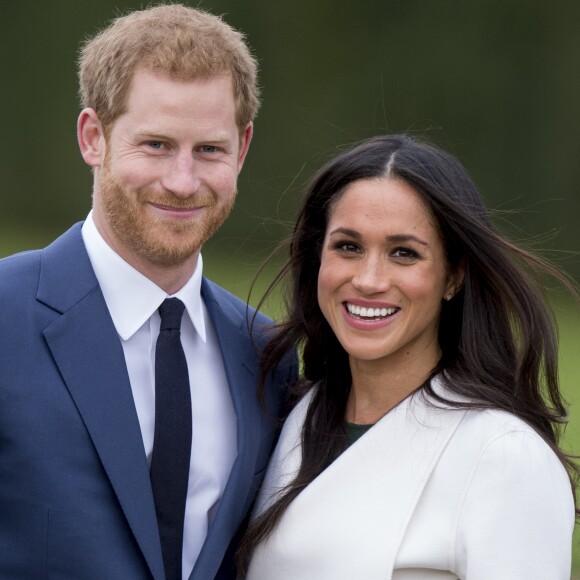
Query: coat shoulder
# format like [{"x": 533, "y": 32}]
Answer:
[
  {"x": 19, "y": 271},
  {"x": 227, "y": 300}
]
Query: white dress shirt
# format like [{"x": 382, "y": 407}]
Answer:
[{"x": 133, "y": 300}]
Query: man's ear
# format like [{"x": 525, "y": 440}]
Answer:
[
  {"x": 91, "y": 138},
  {"x": 245, "y": 139}
]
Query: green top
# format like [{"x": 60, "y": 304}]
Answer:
[{"x": 355, "y": 431}]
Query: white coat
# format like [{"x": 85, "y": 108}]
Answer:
[{"x": 425, "y": 494}]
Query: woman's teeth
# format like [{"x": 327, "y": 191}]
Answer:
[{"x": 361, "y": 312}]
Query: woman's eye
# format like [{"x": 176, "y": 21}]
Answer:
[
  {"x": 405, "y": 253},
  {"x": 346, "y": 247}
]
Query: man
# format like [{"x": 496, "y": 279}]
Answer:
[{"x": 89, "y": 440}]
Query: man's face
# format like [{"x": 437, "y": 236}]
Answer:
[{"x": 168, "y": 178}]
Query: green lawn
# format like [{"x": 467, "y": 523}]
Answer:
[
  {"x": 569, "y": 322},
  {"x": 236, "y": 271}
]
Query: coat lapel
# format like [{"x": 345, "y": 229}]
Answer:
[
  {"x": 89, "y": 355},
  {"x": 365, "y": 498},
  {"x": 239, "y": 360}
]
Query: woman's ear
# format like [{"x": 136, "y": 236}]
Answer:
[
  {"x": 91, "y": 138},
  {"x": 456, "y": 279}
]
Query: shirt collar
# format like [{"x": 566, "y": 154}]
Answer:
[{"x": 130, "y": 296}]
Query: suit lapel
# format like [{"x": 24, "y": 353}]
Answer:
[
  {"x": 365, "y": 498},
  {"x": 89, "y": 355},
  {"x": 237, "y": 356}
]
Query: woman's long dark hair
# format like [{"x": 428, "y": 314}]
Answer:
[{"x": 497, "y": 335}]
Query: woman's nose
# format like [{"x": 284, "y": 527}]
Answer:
[{"x": 372, "y": 276}]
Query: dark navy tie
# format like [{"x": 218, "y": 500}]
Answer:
[{"x": 172, "y": 439}]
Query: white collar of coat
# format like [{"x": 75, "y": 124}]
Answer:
[{"x": 408, "y": 441}]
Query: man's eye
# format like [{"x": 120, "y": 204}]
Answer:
[
  {"x": 155, "y": 144},
  {"x": 208, "y": 149}
]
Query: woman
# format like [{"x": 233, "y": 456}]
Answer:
[{"x": 424, "y": 444}]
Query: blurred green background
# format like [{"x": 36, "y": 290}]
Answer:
[{"x": 496, "y": 82}]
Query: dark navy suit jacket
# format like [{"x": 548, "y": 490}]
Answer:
[{"x": 75, "y": 495}]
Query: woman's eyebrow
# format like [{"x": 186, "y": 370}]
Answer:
[{"x": 395, "y": 238}]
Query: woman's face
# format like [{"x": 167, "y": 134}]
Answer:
[{"x": 383, "y": 274}]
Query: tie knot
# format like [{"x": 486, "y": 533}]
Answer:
[{"x": 171, "y": 311}]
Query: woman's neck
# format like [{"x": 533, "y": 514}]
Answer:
[{"x": 379, "y": 386}]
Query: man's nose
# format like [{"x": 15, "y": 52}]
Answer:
[{"x": 183, "y": 176}]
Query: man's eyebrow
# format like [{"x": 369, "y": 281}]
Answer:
[{"x": 146, "y": 133}]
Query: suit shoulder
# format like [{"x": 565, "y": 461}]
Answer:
[
  {"x": 227, "y": 300},
  {"x": 19, "y": 271},
  {"x": 20, "y": 259}
]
